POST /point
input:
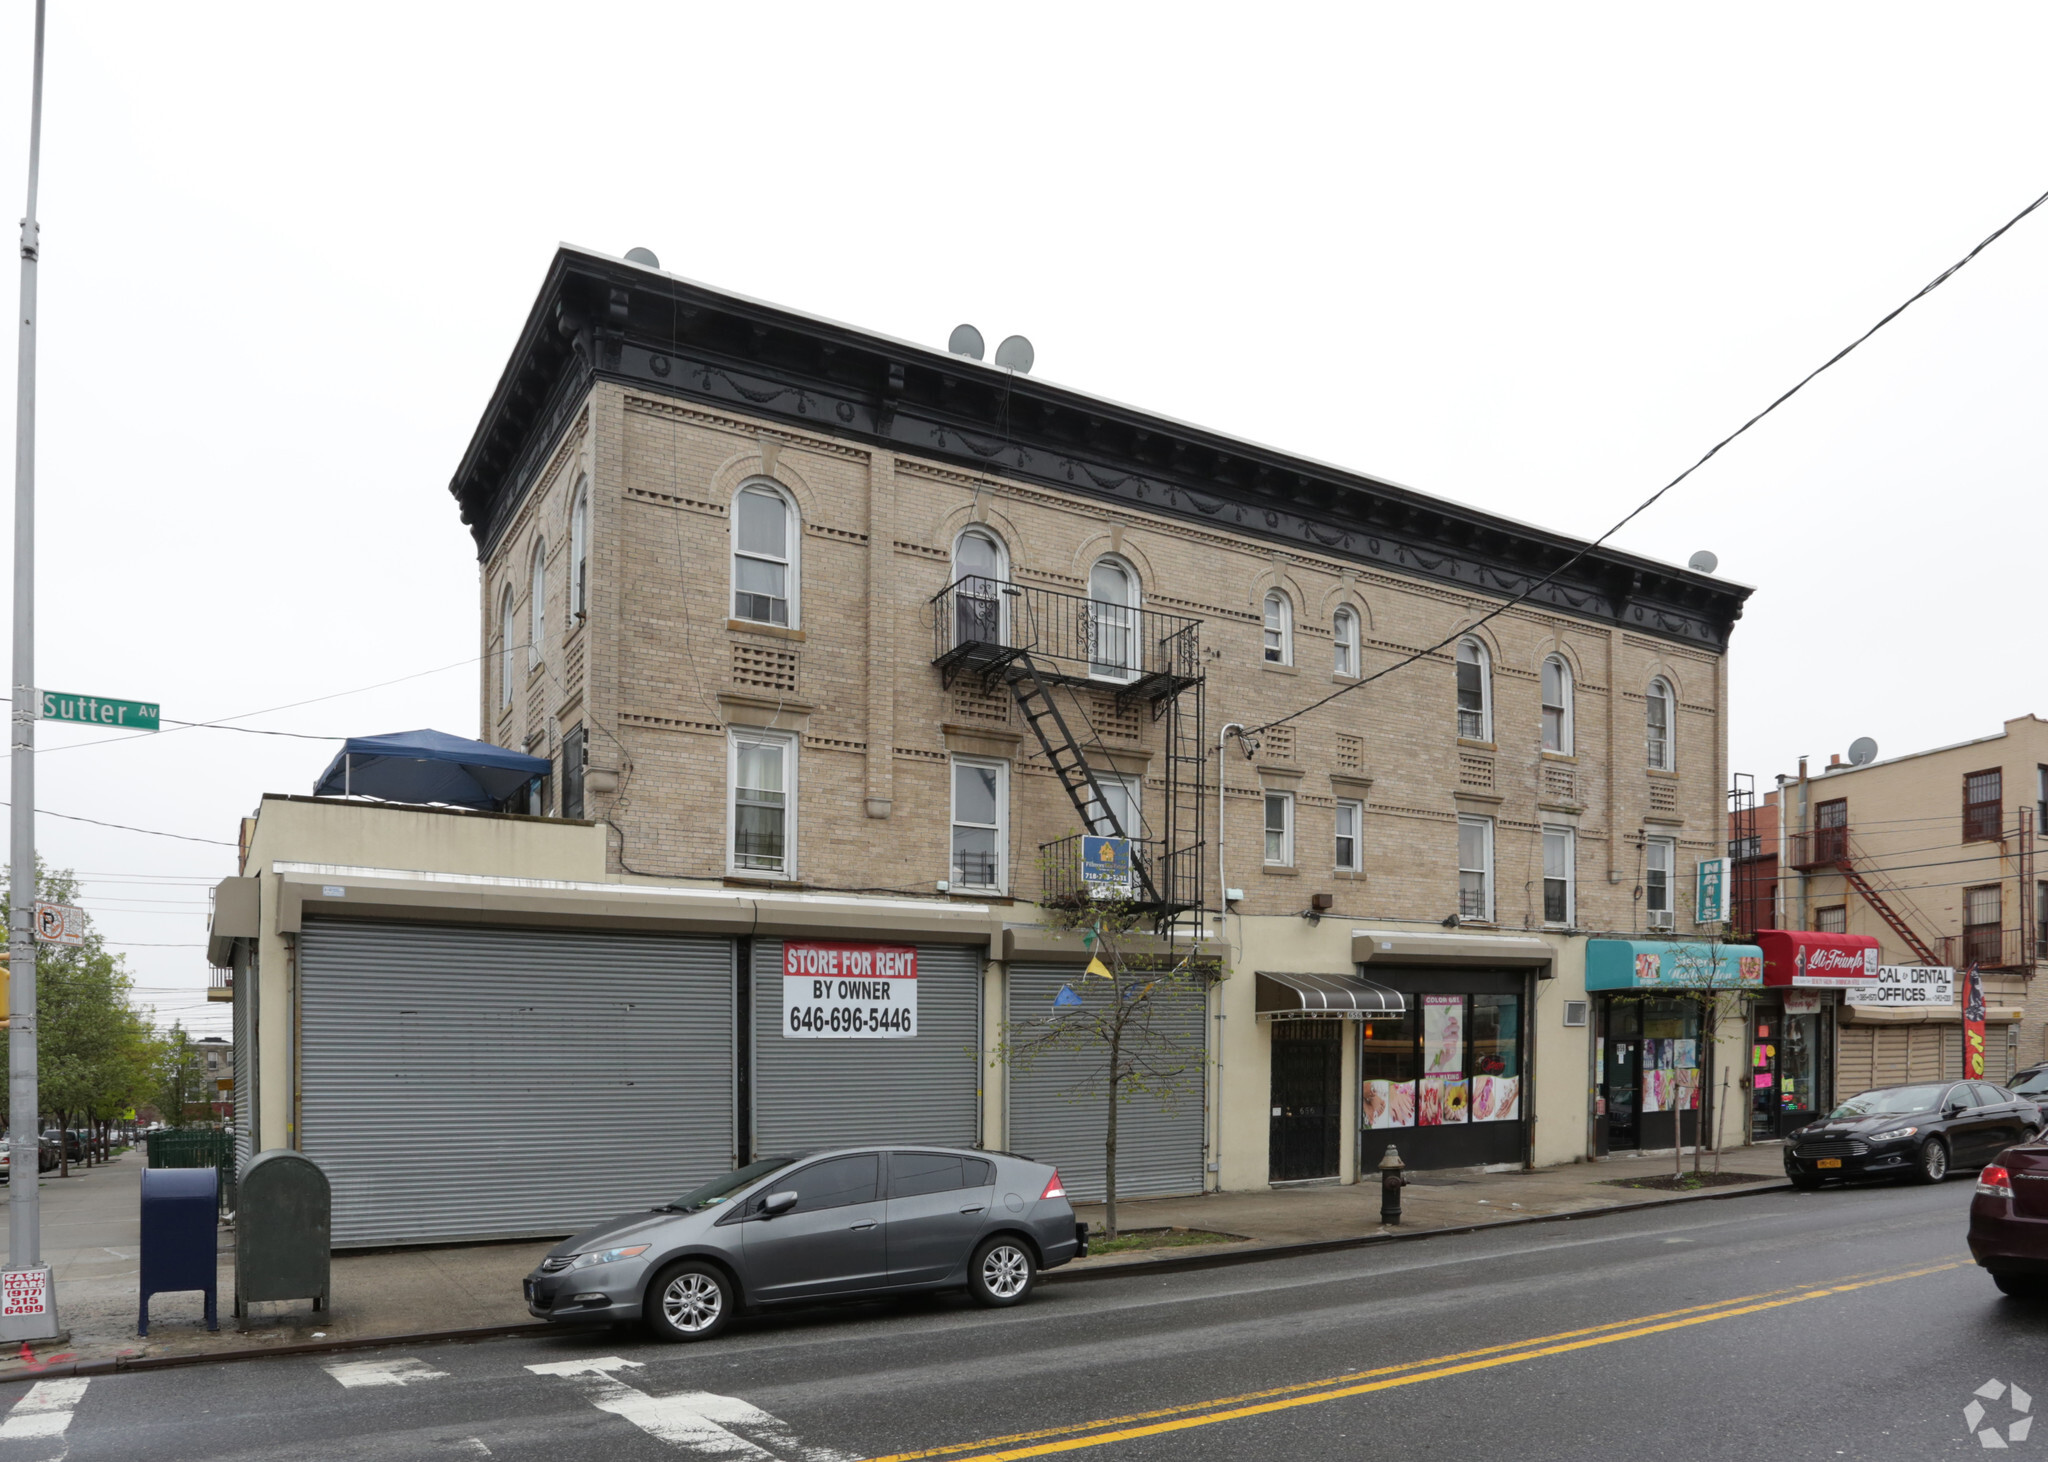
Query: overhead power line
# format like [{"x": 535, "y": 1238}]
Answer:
[
  {"x": 124, "y": 827},
  {"x": 1650, "y": 501}
]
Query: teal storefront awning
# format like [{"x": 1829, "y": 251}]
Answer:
[{"x": 1657, "y": 964}]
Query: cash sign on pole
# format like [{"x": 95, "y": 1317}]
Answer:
[{"x": 28, "y": 1299}]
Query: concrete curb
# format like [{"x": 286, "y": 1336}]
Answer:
[{"x": 1225, "y": 1259}]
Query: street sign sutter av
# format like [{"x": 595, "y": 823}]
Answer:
[{"x": 97, "y": 710}]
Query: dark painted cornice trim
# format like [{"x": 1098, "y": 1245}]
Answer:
[{"x": 602, "y": 318}]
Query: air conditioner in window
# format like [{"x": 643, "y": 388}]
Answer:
[{"x": 1662, "y": 919}]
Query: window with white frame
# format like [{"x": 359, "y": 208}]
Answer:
[
  {"x": 1660, "y": 704},
  {"x": 1279, "y": 629},
  {"x": 1660, "y": 866},
  {"x": 1344, "y": 638},
  {"x": 537, "y": 606},
  {"x": 980, "y": 818},
  {"x": 1559, "y": 890},
  {"x": 1350, "y": 836},
  {"x": 1475, "y": 692},
  {"x": 980, "y": 572},
  {"x": 764, "y": 548},
  {"x": 1475, "y": 868},
  {"x": 508, "y": 632},
  {"x": 763, "y": 780},
  {"x": 579, "y": 554},
  {"x": 1280, "y": 829},
  {"x": 1112, "y": 620},
  {"x": 1120, "y": 795},
  {"x": 1557, "y": 705}
]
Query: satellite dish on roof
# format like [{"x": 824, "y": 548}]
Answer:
[
  {"x": 1703, "y": 562},
  {"x": 965, "y": 340},
  {"x": 1015, "y": 354},
  {"x": 642, "y": 256},
  {"x": 1862, "y": 752}
]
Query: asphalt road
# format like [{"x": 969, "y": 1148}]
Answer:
[{"x": 1837, "y": 1324}]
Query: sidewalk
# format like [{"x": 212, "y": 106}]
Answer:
[{"x": 92, "y": 1238}]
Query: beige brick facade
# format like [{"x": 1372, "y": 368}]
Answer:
[{"x": 659, "y": 669}]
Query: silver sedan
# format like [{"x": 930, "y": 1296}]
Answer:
[{"x": 834, "y": 1223}]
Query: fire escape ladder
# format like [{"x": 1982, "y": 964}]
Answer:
[
  {"x": 1034, "y": 698},
  {"x": 1886, "y": 912}
]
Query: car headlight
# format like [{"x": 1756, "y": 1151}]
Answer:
[
  {"x": 606, "y": 1256},
  {"x": 1895, "y": 1134}
]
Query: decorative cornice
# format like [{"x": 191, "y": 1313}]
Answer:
[{"x": 602, "y": 318}]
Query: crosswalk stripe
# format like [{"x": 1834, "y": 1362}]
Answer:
[
  {"x": 45, "y": 1411},
  {"x": 719, "y": 1427}
]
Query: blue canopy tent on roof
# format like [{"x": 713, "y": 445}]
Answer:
[{"x": 429, "y": 766}]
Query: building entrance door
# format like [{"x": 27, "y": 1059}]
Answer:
[
  {"x": 1785, "y": 1072},
  {"x": 1307, "y": 1083},
  {"x": 1621, "y": 1072}
]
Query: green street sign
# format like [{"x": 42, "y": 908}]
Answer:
[{"x": 97, "y": 710}]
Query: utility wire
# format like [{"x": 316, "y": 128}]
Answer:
[
  {"x": 124, "y": 827},
  {"x": 1648, "y": 502}
]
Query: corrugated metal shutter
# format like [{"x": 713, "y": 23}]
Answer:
[
  {"x": 245, "y": 1046},
  {"x": 921, "y": 1088},
  {"x": 467, "y": 1082},
  {"x": 1855, "y": 1061},
  {"x": 1058, "y": 1115}
]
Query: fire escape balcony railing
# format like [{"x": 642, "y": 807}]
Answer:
[
  {"x": 1823, "y": 847},
  {"x": 1175, "y": 881},
  {"x": 980, "y": 625},
  {"x": 1989, "y": 948}
]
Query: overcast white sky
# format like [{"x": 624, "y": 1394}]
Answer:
[{"x": 1533, "y": 258}]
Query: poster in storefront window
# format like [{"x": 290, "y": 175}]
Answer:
[
  {"x": 1446, "y": 1101},
  {"x": 1443, "y": 1035},
  {"x": 1496, "y": 1098},
  {"x": 1390, "y": 1104}
]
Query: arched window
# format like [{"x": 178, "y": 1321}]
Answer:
[
  {"x": 1113, "y": 620},
  {"x": 1663, "y": 749},
  {"x": 579, "y": 554},
  {"x": 1279, "y": 629},
  {"x": 1557, "y": 705},
  {"x": 507, "y": 635},
  {"x": 1475, "y": 692},
  {"x": 980, "y": 569},
  {"x": 764, "y": 566},
  {"x": 1344, "y": 633},
  {"x": 537, "y": 607}
]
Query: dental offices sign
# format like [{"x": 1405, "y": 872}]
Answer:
[
  {"x": 848, "y": 991},
  {"x": 1907, "y": 985}
]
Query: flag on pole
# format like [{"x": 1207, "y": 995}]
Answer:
[{"x": 1973, "y": 1024}]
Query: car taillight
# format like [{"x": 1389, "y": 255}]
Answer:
[
  {"x": 1055, "y": 1188},
  {"x": 1995, "y": 1182}
]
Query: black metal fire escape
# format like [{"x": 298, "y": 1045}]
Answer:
[{"x": 1038, "y": 642}]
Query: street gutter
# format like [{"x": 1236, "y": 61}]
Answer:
[{"x": 1166, "y": 1264}]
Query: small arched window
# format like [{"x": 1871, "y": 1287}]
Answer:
[
  {"x": 1279, "y": 629},
  {"x": 507, "y": 635},
  {"x": 1344, "y": 634},
  {"x": 1112, "y": 620},
  {"x": 980, "y": 570},
  {"x": 1475, "y": 692},
  {"x": 1659, "y": 704},
  {"x": 764, "y": 564},
  {"x": 537, "y": 607},
  {"x": 579, "y": 554},
  {"x": 1557, "y": 705}
]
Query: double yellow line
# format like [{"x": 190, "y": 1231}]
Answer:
[{"x": 1109, "y": 1429}]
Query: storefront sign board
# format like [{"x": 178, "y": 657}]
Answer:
[
  {"x": 1907, "y": 985},
  {"x": 848, "y": 991},
  {"x": 1710, "y": 895},
  {"x": 1640, "y": 964},
  {"x": 1801, "y": 957}
]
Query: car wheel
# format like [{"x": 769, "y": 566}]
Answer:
[
  {"x": 1002, "y": 1272},
  {"x": 1932, "y": 1166},
  {"x": 2019, "y": 1286},
  {"x": 1804, "y": 1182},
  {"x": 689, "y": 1300}
]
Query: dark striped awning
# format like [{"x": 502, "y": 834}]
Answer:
[{"x": 1285, "y": 995}]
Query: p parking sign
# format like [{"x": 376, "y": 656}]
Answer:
[{"x": 60, "y": 924}]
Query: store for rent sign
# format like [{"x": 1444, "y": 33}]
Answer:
[
  {"x": 24, "y": 1292},
  {"x": 848, "y": 991},
  {"x": 1907, "y": 985}
]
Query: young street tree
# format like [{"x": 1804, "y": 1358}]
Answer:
[
  {"x": 1127, "y": 1020},
  {"x": 179, "y": 1081}
]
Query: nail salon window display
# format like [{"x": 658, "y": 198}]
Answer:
[
  {"x": 1443, "y": 1081},
  {"x": 1658, "y": 1010}
]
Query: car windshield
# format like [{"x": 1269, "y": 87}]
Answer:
[
  {"x": 718, "y": 1190},
  {"x": 2034, "y": 1083},
  {"x": 1893, "y": 1100}
]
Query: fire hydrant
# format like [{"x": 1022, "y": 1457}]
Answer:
[{"x": 1391, "y": 1184}]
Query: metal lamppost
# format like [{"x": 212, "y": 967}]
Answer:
[{"x": 28, "y": 1300}]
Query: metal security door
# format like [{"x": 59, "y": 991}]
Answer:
[
  {"x": 1057, "y": 1105},
  {"x": 1307, "y": 1085},
  {"x": 462, "y": 1082},
  {"x": 923, "y": 1088}
]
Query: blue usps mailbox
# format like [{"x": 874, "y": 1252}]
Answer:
[{"x": 180, "y": 1250}]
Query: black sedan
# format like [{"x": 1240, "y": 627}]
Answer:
[{"x": 1916, "y": 1132}]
